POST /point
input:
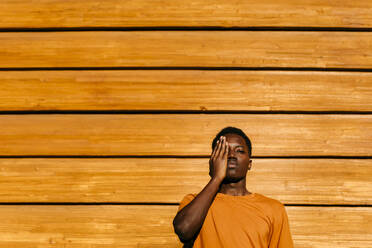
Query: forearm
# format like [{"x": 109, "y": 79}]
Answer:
[{"x": 190, "y": 219}]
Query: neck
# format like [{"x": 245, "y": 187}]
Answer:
[{"x": 234, "y": 188}]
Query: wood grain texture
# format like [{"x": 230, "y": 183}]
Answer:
[
  {"x": 185, "y": 90},
  {"x": 151, "y": 226},
  {"x": 206, "y": 13},
  {"x": 186, "y": 49},
  {"x": 133, "y": 181},
  {"x": 180, "y": 134},
  {"x": 167, "y": 180},
  {"x": 330, "y": 226}
]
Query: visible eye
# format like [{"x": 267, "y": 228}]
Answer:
[{"x": 241, "y": 151}]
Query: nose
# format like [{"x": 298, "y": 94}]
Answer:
[{"x": 231, "y": 154}]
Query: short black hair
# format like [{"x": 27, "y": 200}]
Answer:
[{"x": 234, "y": 130}]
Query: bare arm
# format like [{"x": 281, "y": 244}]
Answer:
[{"x": 190, "y": 219}]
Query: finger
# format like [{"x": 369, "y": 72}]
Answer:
[
  {"x": 222, "y": 142},
  {"x": 215, "y": 148},
  {"x": 218, "y": 144},
  {"x": 226, "y": 150}
]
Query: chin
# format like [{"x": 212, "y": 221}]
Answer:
[{"x": 232, "y": 179}]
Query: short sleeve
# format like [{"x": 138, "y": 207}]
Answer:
[
  {"x": 281, "y": 235},
  {"x": 186, "y": 200}
]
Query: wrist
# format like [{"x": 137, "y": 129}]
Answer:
[{"x": 217, "y": 179}]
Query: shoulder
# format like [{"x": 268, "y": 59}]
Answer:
[
  {"x": 269, "y": 202},
  {"x": 190, "y": 196},
  {"x": 186, "y": 200},
  {"x": 274, "y": 209}
]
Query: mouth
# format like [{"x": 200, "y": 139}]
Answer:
[{"x": 231, "y": 164}]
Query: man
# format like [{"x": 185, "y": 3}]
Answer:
[{"x": 225, "y": 214}]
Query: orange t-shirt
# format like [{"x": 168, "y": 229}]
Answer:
[{"x": 252, "y": 220}]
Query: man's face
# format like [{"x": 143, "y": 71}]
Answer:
[{"x": 238, "y": 161}]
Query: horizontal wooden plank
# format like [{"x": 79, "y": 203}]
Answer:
[
  {"x": 185, "y": 90},
  {"x": 167, "y": 180},
  {"x": 186, "y": 49},
  {"x": 151, "y": 226},
  {"x": 183, "y": 134},
  {"x": 330, "y": 226},
  {"x": 110, "y": 13}
]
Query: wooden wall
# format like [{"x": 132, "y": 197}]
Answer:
[{"x": 108, "y": 109}]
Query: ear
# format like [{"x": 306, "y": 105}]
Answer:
[{"x": 249, "y": 164}]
